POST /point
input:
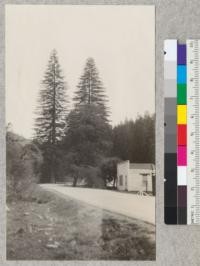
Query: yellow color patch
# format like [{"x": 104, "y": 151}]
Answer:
[{"x": 181, "y": 114}]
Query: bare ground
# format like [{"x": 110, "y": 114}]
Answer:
[{"x": 52, "y": 228}]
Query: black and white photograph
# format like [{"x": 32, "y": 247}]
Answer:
[{"x": 80, "y": 132}]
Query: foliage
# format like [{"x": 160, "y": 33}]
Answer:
[
  {"x": 135, "y": 140},
  {"x": 88, "y": 136},
  {"x": 90, "y": 90},
  {"x": 23, "y": 160},
  {"x": 51, "y": 116},
  {"x": 89, "y": 175},
  {"x": 51, "y": 110},
  {"x": 109, "y": 170}
]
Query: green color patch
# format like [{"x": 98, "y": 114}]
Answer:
[{"x": 181, "y": 94}]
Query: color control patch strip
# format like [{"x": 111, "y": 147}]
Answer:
[
  {"x": 170, "y": 154},
  {"x": 181, "y": 135},
  {"x": 182, "y": 132}
]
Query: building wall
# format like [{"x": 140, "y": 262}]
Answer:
[
  {"x": 122, "y": 174},
  {"x": 136, "y": 180}
]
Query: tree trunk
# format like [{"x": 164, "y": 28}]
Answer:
[
  {"x": 114, "y": 181},
  {"x": 75, "y": 181},
  {"x": 53, "y": 178},
  {"x": 153, "y": 185},
  {"x": 52, "y": 170}
]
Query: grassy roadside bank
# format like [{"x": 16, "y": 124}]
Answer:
[{"x": 52, "y": 228}]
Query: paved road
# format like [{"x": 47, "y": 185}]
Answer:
[{"x": 139, "y": 207}]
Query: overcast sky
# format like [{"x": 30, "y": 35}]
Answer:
[{"x": 119, "y": 38}]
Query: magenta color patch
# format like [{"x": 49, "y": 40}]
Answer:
[{"x": 182, "y": 155}]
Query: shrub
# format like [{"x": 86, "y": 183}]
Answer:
[{"x": 23, "y": 159}]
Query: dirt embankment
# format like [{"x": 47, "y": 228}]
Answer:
[{"x": 51, "y": 228}]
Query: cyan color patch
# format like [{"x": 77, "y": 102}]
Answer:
[{"x": 181, "y": 74}]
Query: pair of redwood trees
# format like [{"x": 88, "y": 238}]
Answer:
[{"x": 84, "y": 132}]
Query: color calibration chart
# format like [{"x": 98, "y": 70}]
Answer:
[{"x": 182, "y": 132}]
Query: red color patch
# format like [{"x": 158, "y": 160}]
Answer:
[{"x": 182, "y": 134}]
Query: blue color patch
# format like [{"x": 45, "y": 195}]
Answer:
[{"x": 181, "y": 74}]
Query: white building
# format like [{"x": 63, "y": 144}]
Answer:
[{"x": 135, "y": 176}]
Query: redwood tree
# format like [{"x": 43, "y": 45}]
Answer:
[
  {"x": 88, "y": 134},
  {"x": 51, "y": 115}
]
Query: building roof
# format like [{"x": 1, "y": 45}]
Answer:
[{"x": 147, "y": 166}]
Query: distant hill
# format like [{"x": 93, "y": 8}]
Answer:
[{"x": 17, "y": 138}]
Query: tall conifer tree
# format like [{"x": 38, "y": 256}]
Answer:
[
  {"x": 51, "y": 112},
  {"x": 88, "y": 135}
]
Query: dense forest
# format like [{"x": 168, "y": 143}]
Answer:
[{"x": 77, "y": 144}]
